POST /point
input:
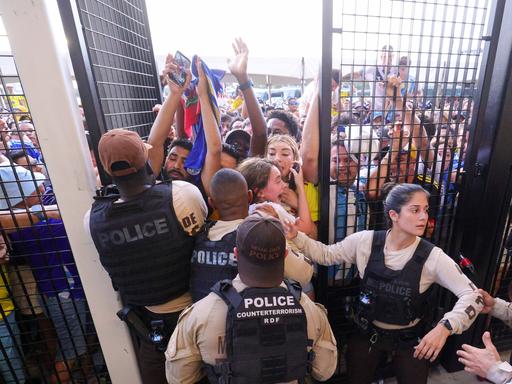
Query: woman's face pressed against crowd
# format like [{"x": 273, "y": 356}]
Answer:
[{"x": 275, "y": 187}]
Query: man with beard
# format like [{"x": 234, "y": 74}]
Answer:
[{"x": 174, "y": 166}]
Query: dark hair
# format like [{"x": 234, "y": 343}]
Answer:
[
  {"x": 404, "y": 61},
  {"x": 338, "y": 142},
  {"x": 231, "y": 151},
  {"x": 336, "y": 75},
  {"x": 181, "y": 142},
  {"x": 428, "y": 124},
  {"x": 16, "y": 155},
  {"x": 234, "y": 121},
  {"x": 398, "y": 196},
  {"x": 347, "y": 118},
  {"x": 287, "y": 118},
  {"x": 224, "y": 117}
]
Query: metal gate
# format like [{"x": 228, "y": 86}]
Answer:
[
  {"x": 46, "y": 329},
  {"x": 112, "y": 55},
  {"x": 444, "y": 53}
]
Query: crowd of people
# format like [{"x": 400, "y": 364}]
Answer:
[
  {"x": 211, "y": 236},
  {"x": 251, "y": 176},
  {"x": 45, "y": 328}
]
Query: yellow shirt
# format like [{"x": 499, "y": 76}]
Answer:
[
  {"x": 5, "y": 299},
  {"x": 313, "y": 199}
]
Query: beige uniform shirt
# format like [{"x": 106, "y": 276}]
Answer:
[
  {"x": 200, "y": 337},
  {"x": 439, "y": 268},
  {"x": 501, "y": 372},
  {"x": 191, "y": 211},
  {"x": 502, "y": 310},
  {"x": 297, "y": 266}
]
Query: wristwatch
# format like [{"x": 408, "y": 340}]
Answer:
[{"x": 447, "y": 325}]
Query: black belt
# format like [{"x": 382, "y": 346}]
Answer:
[{"x": 399, "y": 338}]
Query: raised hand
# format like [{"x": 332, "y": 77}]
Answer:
[
  {"x": 291, "y": 229},
  {"x": 238, "y": 64},
  {"x": 488, "y": 301},
  {"x": 171, "y": 66},
  {"x": 392, "y": 84},
  {"x": 479, "y": 361},
  {"x": 202, "y": 85},
  {"x": 398, "y": 133}
]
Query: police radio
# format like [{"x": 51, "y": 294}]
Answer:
[{"x": 365, "y": 308}]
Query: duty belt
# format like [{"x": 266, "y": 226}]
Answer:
[{"x": 398, "y": 338}]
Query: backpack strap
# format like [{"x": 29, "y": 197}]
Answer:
[
  {"x": 378, "y": 242},
  {"x": 225, "y": 290},
  {"x": 423, "y": 251}
]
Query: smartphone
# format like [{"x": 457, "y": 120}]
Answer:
[
  {"x": 179, "y": 76},
  {"x": 291, "y": 183}
]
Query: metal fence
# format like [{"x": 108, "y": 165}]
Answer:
[
  {"x": 502, "y": 288},
  {"x": 114, "y": 65},
  {"x": 46, "y": 329},
  {"x": 403, "y": 111}
]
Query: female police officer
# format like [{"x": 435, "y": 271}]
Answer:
[{"x": 397, "y": 269}]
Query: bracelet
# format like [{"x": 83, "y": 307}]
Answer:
[{"x": 246, "y": 85}]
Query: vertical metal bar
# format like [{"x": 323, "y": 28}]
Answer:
[
  {"x": 84, "y": 77},
  {"x": 325, "y": 137},
  {"x": 73, "y": 181}
]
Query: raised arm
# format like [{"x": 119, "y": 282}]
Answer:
[
  {"x": 13, "y": 221},
  {"x": 333, "y": 254},
  {"x": 356, "y": 75},
  {"x": 418, "y": 132},
  {"x": 305, "y": 224},
  {"x": 238, "y": 68},
  {"x": 163, "y": 122},
  {"x": 310, "y": 144},
  {"x": 379, "y": 175},
  {"x": 211, "y": 130}
]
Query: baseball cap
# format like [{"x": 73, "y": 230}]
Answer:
[
  {"x": 122, "y": 146},
  {"x": 17, "y": 184},
  {"x": 261, "y": 246},
  {"x": 233, "y": 138},
  {"x": 361, "y": 143},
  {"x": 235, "y": 134}
]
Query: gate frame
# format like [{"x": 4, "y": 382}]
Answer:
[{"x": 74, "y": 183}]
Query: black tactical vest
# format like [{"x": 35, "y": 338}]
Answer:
[
  {"x": 392, "y": 296},
  {"x": 212, "y": 261},
  {"x": 266, "y": 336},
  {"x": 142, "y": 246}
]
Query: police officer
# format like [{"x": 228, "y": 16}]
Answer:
[
  {"x": 144, "y": 240},
  {"x": 213, "y": 258},
  {"x": 397, "y": 269},
  {"x": 255, "y": 328}
]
